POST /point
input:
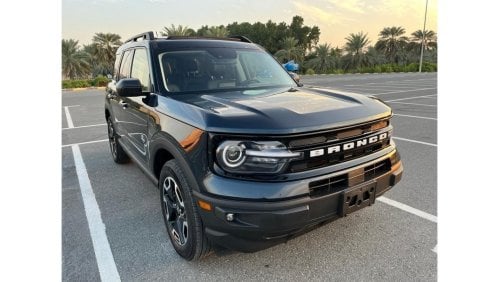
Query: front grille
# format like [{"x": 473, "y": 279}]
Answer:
[
  {"x": 328, "y": 186},
  {"x": 306, "y": 144},
  {"x": 338, "y": 183},
  {"x": 375, "y": 170},
  {"x": 327, "y": 160}
]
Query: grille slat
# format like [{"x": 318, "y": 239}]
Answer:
[{"x": 335, "y": 184}]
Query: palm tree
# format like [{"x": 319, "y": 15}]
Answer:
[
  {"x": 392, "y": 43},
  {"x": 177, "y": 31},
  {"x": 430, "y": 41},
  {"x": 74, "y": 63},
  {"x": 374, "y": 57},
  {"x": 289, "y": 51},
  {"x": 217, "y": 31},
  {"x": 355, "y": 48},
  {"x": 323, "y": 59},
  {"x": 97, "y": 67},
  {"x": 107, "y": 44}
]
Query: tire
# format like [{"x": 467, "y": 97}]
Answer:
[
  {"x": 181, "y": 215},
  {"x": 117, "y": 152}
]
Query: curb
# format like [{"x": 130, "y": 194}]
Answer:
[
  {"x": 84, "y": 88},
  {"x": 358, "y": 73}
]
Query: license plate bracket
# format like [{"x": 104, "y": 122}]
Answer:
[{"x": 357, "y": 198}]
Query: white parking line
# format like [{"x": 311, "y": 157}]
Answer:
[
  {"x": 414, "y": 85},
  {"x": 382, "y": 85},
  {"x": 403, "y": 91},
  {"x": 369, "y": 88},
  {"x": 409, "y": 209},
  {"x": 68, "y": 116},
  {"x": 415, "y": 141},
  {"x": 403, "y": 81},
  {"x": 104, "y": 256},
  {"x": 409, "y": 98},
  {"x": 415, "y": 104},
  {"x": 400, "y": 115},
  {"x": 92, "y": 125},
  {"x": 82, "y": 143}
]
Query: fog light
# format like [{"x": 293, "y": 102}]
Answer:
[{"x": 229, "y": 217}]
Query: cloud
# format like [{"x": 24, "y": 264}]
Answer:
[
  {"x": 354, "y": 6},
  {"x": 315, "y": 13}
]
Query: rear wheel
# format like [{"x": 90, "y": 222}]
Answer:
[
  {"x": 181, "y": 215},
  {"x": 117, "y": 152}
]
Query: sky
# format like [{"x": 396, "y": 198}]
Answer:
[{"x": 81, "y": 19}]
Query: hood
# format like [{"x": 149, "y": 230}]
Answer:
[{"x": 273, "y": 111}]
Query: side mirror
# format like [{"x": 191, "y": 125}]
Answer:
[{"x": 129, "y": 87}]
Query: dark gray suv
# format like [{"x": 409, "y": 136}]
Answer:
[{"x": 244, "y": 157}]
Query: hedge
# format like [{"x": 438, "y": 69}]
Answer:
[
  {"x": 82, "y": 83},
  {"x": 386, "y": 68}
]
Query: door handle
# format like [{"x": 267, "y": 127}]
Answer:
[{"x": 123, "y": 104}]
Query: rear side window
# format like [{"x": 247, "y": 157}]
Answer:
[
  {"x": 117, "y": 66},
  {"x": 140, "y": 68},
  {"x": 125, "y": 66}
]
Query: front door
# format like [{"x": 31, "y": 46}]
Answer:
[{"x": 136, "y": 112}]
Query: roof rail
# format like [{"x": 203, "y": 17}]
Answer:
[
  {"x": 241, "y": 38},
  {"x": 146, "y": 35}
]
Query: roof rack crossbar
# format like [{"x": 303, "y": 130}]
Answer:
[
  {"x": 146, "y": 36},
  {"x": 241, "y": 38}
]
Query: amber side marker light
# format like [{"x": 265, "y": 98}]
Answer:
[{"x": 204, "y": 205}]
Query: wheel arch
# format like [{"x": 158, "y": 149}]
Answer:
[{"x": 164, "y": 148}]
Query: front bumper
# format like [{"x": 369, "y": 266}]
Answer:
[{"x": 259, "y": 224}]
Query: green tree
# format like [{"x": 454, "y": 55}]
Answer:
[
  {"x": 180, "y": 30},
  {"x": 106, "y": 44},
  {"x": 217, "y": 31},
  {"x": 430, "y": 46},
  {"x": 74, "y": 61},
  {"x": 289, "y": 50},
  {"x": 307, "y": 36},
  {"x": 202, "y": 30},
  {"x": 97, "y": 67},
  {"x": 271, "y": 35},
  {"x": 324, "y": 59},
  {"x": 430, "y": 41},
  {"x": 374, "y": 57},
  {"x": 392, "y": 43},
  {"x": 355, "y": 47}
]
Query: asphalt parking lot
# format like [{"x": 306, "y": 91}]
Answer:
[{"x": 395, "y": 239}]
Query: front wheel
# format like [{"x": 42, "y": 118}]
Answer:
[{"x": 181, "y": 216}]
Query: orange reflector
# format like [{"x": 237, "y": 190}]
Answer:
[
  {"x": 204, "y": 205},
  {"x": 379, "y": 125}
]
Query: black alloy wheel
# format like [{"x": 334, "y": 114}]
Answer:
[
  {"x": 175, "y": 211},
  {"x": 181, "y": 214}
]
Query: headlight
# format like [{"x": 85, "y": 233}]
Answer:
[{"x": 245, "y": 157}]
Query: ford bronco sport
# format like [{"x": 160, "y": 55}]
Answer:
[{"x": 244, "y": 156}]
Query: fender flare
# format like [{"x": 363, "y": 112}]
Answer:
[{"x": 164, "y": 141}]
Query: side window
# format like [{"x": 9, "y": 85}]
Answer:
[
  {"x": 117, "y": 66},
  {"x": 125, "y": 66},
  {"x": 140, "y": 68}
]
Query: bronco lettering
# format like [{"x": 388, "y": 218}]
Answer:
[{"x": 350, "y": 145}]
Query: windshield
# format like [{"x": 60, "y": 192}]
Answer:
[{"x": 216, "y": 69}]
